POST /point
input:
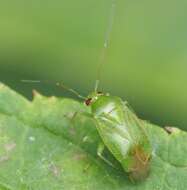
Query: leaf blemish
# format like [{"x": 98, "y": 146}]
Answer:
[
  {"x": 72, "y": 131},
  {"x": 170, "y": 130},
  {"x": 9, "y": 146},
  {"x": 4, "y": 158},
  {"x": 80, "y": 156},
  {"x": 54, "y": 169}
]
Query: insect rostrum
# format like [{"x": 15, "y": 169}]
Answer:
[{"x": 122, "y": 133}]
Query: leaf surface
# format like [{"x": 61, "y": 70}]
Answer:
[{"x": 50, "y": 144}]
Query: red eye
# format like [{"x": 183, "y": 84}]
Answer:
[{"x": 88, "y": 101}]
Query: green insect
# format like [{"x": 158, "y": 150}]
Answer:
[{"x": 122, "y": 133}]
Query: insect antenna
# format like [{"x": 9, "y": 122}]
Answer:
[
  {"x": 59, "y": 84},
  {"x": 106, "y": 43}
]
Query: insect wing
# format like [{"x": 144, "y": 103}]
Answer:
[
  {"x": 126, "y": 140},
  {"x": 116, "y": 138},
  {"x": 137, "y": 130}
]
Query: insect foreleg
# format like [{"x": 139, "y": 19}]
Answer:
[{"x": 73, "y": 116}]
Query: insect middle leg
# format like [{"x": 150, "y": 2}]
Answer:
[{"x": 100, "y": 151}]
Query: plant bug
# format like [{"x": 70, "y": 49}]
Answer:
[
  {"x": 122, "y": 133},
  {"x": 118, "y": 126}
]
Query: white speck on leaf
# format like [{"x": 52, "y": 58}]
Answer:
[
  {"x": 32, "y": 139},
  {"x": 21, "y": 180},
  {"x": 153, "y": 153},
  {"x": 105, "y": 44},
  {"x": 85, "y": 139}
]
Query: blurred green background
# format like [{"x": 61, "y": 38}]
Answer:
[{"x": 57, "y": 40}]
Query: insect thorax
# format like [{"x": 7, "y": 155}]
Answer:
[{"x": 108, "y": 106}]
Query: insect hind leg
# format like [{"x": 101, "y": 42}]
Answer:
[{"x": 141, "y": 157}]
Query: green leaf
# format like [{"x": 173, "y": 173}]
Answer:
[{"x": 49, "y": 144}]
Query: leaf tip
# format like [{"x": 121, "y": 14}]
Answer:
[
  {"x": 1, "y": 85},
  {"x": 35, "y": 93}
]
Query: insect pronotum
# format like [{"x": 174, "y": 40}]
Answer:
[{"x": 121, "y": 132}]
